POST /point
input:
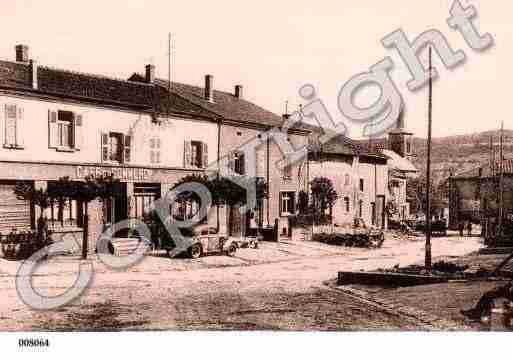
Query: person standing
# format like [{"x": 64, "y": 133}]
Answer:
[{"x": 469, "y": 228}]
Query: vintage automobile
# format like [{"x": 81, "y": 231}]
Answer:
[
  {"x": 250, "y": 240},
  {"x": 247, "y": 241},
  {"x": 206, "y": 241}
]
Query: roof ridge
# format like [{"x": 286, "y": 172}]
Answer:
[
  {"x": 97, "y": 76},
  {"x": 198, "y": 87}
]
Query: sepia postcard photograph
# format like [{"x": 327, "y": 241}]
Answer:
[{"x": 257, "y": 179}]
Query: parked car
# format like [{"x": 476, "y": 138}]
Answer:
[
  {"x": 248, "y": 241},
  {"x": 205, "y": 241}
]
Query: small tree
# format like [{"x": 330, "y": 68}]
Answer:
[{"x": 323, "y": 194}]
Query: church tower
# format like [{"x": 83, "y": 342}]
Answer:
[{"x": 400, "y": 140}]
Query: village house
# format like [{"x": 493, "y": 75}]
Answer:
[
  {"x": 400, "y": 169},
  {"x": 359, "y": 177},
  {"x": 57, "y": 123},
  {"x": 475, "y": 196},
  {"x": 240, "y": 122},
  {"x": 370, "y": 180}
]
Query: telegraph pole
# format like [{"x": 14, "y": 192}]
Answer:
[
  {"x": 501, "y": 183},
  {"x": 428, "y": 170}
]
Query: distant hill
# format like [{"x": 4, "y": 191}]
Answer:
[{"x": 456, "y": 154}]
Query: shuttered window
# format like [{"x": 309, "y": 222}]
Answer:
[
  {"x": 239, "y": 165},
  {"x": 287, "y": 203},
  {"x": 195, "y": 154},
  {"x": 12, "y": 126},
  {"x": 116, "y": 147},
  {"x": 65, "y": 130},
  {"x": 155, "y": 150},
  {"x": 287, "y": 172}
]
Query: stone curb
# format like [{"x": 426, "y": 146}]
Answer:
[{"x": 431, "y": 322}]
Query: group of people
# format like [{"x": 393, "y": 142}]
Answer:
[{"x": 465, "y": 225}]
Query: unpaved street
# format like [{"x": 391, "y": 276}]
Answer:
[{"x": 280, "y": 286}]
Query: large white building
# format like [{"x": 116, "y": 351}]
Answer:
[{"x": 57, "y": 123}]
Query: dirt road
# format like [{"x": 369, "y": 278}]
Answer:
[{"x": 278, "y": 287}]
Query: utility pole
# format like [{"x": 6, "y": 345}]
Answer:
[
  {"x": 501, "y": 182},
  {"x": 428, "y": 170}
]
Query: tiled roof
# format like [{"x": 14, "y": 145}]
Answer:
[
  {"x": 398, "y": 162},
  {"x": 96, "y": 88},
  {"x": 488, "y": 170},
  {"x": 224, "y": 105},
  {"x": 341, "y": 145}
]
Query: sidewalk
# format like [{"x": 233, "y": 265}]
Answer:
[{"x": 443, "y": 301}]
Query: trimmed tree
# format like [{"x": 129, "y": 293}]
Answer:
[{"x": 323, "y": 195}]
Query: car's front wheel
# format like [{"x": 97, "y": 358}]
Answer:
[{"x": 195, "y": 251}]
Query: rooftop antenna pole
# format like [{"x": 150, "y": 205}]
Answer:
[
  {"x": 501, "y": 169},
  {"x": 428, "y": 170}
]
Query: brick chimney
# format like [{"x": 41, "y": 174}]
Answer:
[
  {"x": 150, "y": 74},
  {"x": 209, "y": 88},
  {"x": 22, "y": 53},
  {"x": 238, "y": 91},
  {"x": 33, "y": 73}
]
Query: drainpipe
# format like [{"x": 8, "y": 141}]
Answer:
[
  {"x": 218, "y": 223},
  {"x": 268, "y": 183}
]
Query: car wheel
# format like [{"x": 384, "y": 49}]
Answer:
[
  {"x": 195, "y": 251},
  {"x": 231, "y": 250},
  {"x": 253, "y": 244}
]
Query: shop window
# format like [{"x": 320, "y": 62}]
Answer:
[
  {"x": 63, "y": 212},
  {"x": 287, "y": 203},
  {"x": 155, "y": 150},
  {"x": 145, "y": 195},
  {"x": 360, "y": 209},
  {"x": 116, "y": 147},
  {"x": 12, "y": 133}
]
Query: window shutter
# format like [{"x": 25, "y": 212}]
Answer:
[
  {"x": 19, "y": 132},
  {"x": 127, "y": 147},
  {"x": 52, "y": 129},
  {"x": 281, "y": 203},
  {"x": 293, "y": 202},
  {"x": 231, "y": 161},
  {"x": 204, "y": 152},
  {"x": 10, "y": 125},
  {"x": 105, "y": 146},
  {"x": 77, "y": 132},
  {"x": 242, "y": 160},
  {"x": 187, "y": 157}
]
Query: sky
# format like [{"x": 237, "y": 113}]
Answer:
[{"x": 272, "y": 48}]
